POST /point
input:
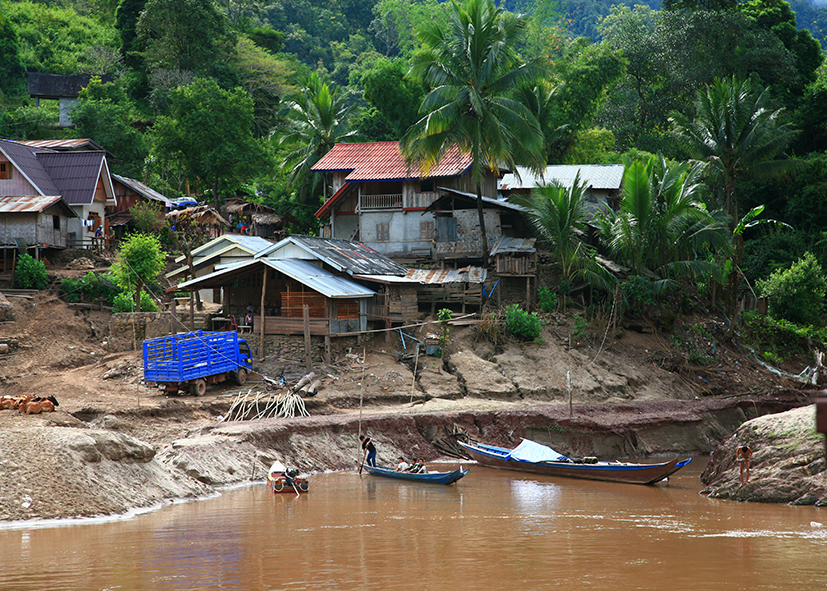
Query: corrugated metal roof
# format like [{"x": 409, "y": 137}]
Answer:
[
  {"x": 342, "y": 255},
  {"x": 511, "y": 244},
  {"x": 25, "y": 160},
  {"x": 68, "y": 144},
  {"x": 595, "y": 176},
  {"x": 75, "y": 174},
  {"x": 377, "y": 161},
  {"x": 30, "y": 204},
  {"x": 432, "y": 276},
  {"x": 142, "y": 189},
  {"x": 473, "y": 200},
  {"x": 304, "y": 272}
]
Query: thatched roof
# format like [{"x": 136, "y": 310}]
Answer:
[{"x": 242, "y": 207}]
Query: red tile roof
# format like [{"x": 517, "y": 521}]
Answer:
[{"x": 382, "y": 161}]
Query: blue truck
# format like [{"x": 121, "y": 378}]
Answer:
[{"x": 190, "y": 360}]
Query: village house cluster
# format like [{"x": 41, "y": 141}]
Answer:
[{"x": 391, "y": 242}]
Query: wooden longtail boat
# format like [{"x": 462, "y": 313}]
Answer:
[
  {"x": 432, "y": 477},
  {"x": 540, "y": 459}
]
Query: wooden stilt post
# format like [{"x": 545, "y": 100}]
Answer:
[
  {"x": 308, "y": 358},
  {"x": 261, "y": 354},
  {"x": 174, "y": 319},
  {"x": 327, "y": 356},
  {"x": 192, "y": 311},
  {"x": 528, "y": 294}
]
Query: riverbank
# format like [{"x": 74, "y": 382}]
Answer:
[{"x": 115, "y": 445}]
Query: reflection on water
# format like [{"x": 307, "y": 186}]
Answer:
[{"x": 491, "y": 529}]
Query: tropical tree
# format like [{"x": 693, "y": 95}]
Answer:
[
  {"x": 209, "y": 136},
  {"x": 317, "y": 120},
  {"x": 472, "y": 68},
  {"x": 734, "y": 136},
  {"x": 661, "y": 229},
  {"x": 140, "y": 260},
  {"x": 559, "y": 215}
]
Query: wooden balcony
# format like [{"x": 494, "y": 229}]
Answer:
[{"x": 388, "y": 201}]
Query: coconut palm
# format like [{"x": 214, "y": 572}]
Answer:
[
  {"x": 317, "y": 120},
  {"x": 734, "y": 136},
  {"x": 471, "y": 66},
  {"x": 558, "y": 215},
  {"x": 661, "y": 229}
]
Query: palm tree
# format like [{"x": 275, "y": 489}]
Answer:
[
  {"x": 472, "y": 68},
  {"x": 661, "y": 229},
  {"x": 317, "y": 120},
  {"x": 559, "y": 215},
  {"x": 734, "y": 135}
]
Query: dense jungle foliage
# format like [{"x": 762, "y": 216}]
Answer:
[{"x": 718, "y": 109}]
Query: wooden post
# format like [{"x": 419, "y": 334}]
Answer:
[
  {"x": 528, "y": 294},
  {"x": 327, "y": 357},
  {"x": 416, "y": 366},
  {"x": 261, "y": 309},
  {"x": 388, "y": 313},
  {"x": 308, "y": 358},
  {"x": 174, "y": 323},
  {"x": 192, "y": 311}
]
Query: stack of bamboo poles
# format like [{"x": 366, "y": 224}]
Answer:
[{"x": 253, "y": 405}]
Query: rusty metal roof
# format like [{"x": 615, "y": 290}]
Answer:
[
  {"x": 382, "y": 161},
  {"x": 432, "y": 276},
  {"x": 595, "y": 176},
  {"x": 62, "y": 145},
  {"x": 32, "y": 204},
  {"x": 142, "y": 189},
  {"x": 343, "y": 255}
]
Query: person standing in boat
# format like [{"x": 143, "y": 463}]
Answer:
[
  {"x": 742, "y": 456},
  {"x": 368, "y": 450}
]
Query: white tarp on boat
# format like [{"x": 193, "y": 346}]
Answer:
[{"x": 530, "y": 451}]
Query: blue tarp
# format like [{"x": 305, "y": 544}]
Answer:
[{"x": 530, "y": 451}]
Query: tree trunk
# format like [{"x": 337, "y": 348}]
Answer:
[{"x": 484, "y": 236}]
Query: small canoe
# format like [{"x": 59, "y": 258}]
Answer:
[
  {"x": 534, "y": 457},
  {"x": 281, "y": 479},
  {"x": 281, "y": 485},
  {"x": 432, "y": 477}
]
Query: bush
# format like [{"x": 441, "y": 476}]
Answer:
[
  {"x": 547, "y": 299},
  {"x": 30, "y": 273},
  {"x": 797, "y": 294},
  {"x": 521, "y": 323},
  {"x": 89, "y": 288},
  {"x": 125, "y": 302},
  {"x": 638, "y": 292}
]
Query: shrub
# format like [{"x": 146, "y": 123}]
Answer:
[
  {"x": 30, "y": 273},
  {"x": 521, "y": 323},
  {"x": 125, "y": 302},
  {"x": 797, "y": 294},
  {"x": 89, "y": 288},
  {"x": 547, "y": 299}
]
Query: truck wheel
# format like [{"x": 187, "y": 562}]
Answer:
[
  {"x": 241, "y": 376},
  {"x": 198, "y": 387}
]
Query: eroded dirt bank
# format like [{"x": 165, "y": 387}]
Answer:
[{"x": 90, "y": 471}]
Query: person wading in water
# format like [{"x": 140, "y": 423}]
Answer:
[{"x": 742, "y": 456}]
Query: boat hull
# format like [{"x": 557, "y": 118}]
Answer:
[
  {"x": 495, "y": 457},
  {"x": 431, "y": 477},
  {"x": 280, "y": 485}
]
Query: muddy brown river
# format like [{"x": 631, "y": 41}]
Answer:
[{"x": 492, "y": 530}]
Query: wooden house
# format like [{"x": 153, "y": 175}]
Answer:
[
  {"x": 129, "y": 193},
  {"x": 382, "y": 202},
  {"x": 80, "y": 178}
]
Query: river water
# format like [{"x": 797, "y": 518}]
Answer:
[{"x": 491, "y": 530}]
